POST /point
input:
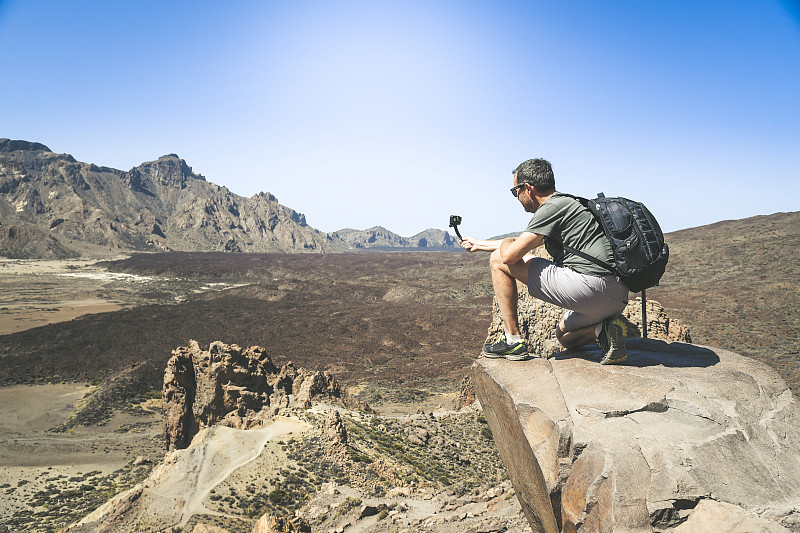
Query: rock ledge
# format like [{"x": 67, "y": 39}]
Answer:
[{"x": 679, "y": 435}]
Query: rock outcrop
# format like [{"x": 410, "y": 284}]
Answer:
[
  {"x": 466, "y": 395},
  {"x": 235, "y": 387},
  {"x": 675, "y": 439},
  {"x": 278, "y": 524},
  {"x": 23, "y": 241}
]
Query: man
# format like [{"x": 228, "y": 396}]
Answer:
[{"x": 593, "y": 297}]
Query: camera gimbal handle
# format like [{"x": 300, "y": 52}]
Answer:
[{"x": 455, "y": 220}]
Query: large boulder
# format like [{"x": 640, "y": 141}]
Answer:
[{"x": 679, "y": 435}]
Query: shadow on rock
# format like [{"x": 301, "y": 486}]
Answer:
[{"x": 650, "y": 352}]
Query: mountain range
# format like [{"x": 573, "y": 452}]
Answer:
[{"x": 52, "y": 206}]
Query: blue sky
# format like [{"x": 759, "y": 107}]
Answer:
[{"x": 363, "y": 113}]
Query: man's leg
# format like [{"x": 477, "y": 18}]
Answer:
[
  {"x": 574, "y": 339},
  {"x": 504, "y": 282},
  {"x": 611, "y": 338}
]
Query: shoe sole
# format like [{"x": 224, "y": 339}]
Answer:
[
  {"x": 510, "y": 357},
  {"x": 613, "y": 360}
]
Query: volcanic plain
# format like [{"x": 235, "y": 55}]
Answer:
[{"x": 83, "y": 344}]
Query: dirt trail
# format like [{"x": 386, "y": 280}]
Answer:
[
  {"x": 220, "y": 456},
  {"x": 177, "y": 488}
]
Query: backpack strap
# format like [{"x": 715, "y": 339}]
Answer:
[
  {"x": 585, "y": 203},
  {"x": 591, "y": 258}
]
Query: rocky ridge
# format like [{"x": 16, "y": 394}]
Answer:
[
  {"x": 53, "y": 206},
  {"x": 380, "y": 237},
  {"x": 240, "y": 388},
  {"x": 158, "y": 205}
]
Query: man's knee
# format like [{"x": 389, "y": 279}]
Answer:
[
  {"x": 496, "y": 260},
  {"x": 561, "y": 329}
]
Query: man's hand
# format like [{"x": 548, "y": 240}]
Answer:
[{"x": 468, "y": 243}]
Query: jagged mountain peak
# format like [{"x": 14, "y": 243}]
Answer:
[
  {"x": 169, "y": 170},
  {"x": 268, "y": 196},
  {"x": 159, "y": 205}
]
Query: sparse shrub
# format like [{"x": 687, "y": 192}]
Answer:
[{"x": 277, "y": 496}]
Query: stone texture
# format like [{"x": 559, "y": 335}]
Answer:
[
  {"x": 333, "y": 429},
  {"x": 710, "y": 515},
  {"x": 466, "y": 395},
  {"x": 235, "y": 387},
  {"x": 639, "y": 447},
  {"x": 276, "y": 524}
]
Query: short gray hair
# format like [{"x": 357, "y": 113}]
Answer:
[{"x": 538, "y": 173}]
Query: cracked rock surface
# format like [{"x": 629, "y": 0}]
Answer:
[{"x": 678, "y": 435}]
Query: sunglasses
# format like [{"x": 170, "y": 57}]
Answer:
[{"x": 516, "y": 188}]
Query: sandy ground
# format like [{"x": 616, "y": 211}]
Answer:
[
  {"x": 31, "y": 457},
  {"x": 35, "y": 293}
]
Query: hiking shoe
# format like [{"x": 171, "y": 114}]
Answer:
[
  {"x": 501, "y": 349},
  {"x": 612, "y": 341}
]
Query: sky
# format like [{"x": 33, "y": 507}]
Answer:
[{"x": 401, "y": 113}]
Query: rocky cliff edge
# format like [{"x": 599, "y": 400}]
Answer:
[{"x": 682, "y": 438}]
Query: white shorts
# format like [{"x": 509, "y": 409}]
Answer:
[{"x": 588, "y": 299}]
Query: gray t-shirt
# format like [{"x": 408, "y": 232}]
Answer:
[{"x": 564, "y": 220}]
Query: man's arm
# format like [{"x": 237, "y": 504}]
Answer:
[
  {"x": 471, "y": 244},
  {"x": 511, "y": 249}
]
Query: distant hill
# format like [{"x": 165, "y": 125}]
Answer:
[
  {"x": 380, "y": 237},
  {"x": 52, "y": 206}
]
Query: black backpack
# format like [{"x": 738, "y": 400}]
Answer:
[{"x": 636, "y": 240}]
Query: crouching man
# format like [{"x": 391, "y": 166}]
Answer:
[{"x": 593, "y": 297}]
